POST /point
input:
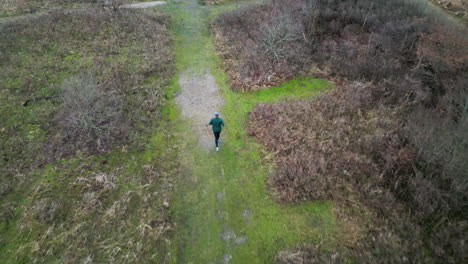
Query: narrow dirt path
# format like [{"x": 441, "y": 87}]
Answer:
[
  {"x": 198, "y": 100},
  {"x": 223, "y": 208},
  {"x": 144, "y": 4}
]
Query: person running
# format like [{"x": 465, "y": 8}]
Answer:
[{"x": 216, "y": 123}]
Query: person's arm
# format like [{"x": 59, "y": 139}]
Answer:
[{"x": 222, "y": 122}]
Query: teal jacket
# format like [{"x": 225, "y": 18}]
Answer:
[{"x": 217, "y": 124}]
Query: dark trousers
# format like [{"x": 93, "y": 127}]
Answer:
[{"x": 217, "y": 134}]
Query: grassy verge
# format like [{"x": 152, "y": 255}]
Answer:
[{"x": 224, "y": 209}]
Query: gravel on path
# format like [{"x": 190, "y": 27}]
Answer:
[
  {"x": 144, "y": 4},
  {"x": 198, "y": 100}
]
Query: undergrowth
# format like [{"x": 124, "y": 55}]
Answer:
[
  {"x": 387, "y": 144},
  {"x": 88, "y": 153}
]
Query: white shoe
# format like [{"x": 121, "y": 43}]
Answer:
[{"x": 217, "y": 149}]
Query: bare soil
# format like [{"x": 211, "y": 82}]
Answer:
[
  {"x": 198, "y": 100},
  {"x": 144, "y": 4}
]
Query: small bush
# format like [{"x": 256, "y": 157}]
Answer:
[
  {"x": 274, "y": 37},
  {"x": 89, "y": 113},
  {"x": 260, "y": 52}
]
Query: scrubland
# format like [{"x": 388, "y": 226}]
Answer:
[
  {"x": 388, "y": 144},
  {"x": 87, "y": 153}
]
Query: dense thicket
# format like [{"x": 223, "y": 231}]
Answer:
[{"x": 391, "y": 139}]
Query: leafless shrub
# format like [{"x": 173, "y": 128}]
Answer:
[
  {"x": 89, "y": 113},
  {"x": 258, "y": 51},
  {"x": 276, "y": 35}
]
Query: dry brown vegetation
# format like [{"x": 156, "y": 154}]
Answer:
[
  {"x": 259, "y": 52},
  {"x": 104, "y": 97},
  {"x": 389, "y": 144},
  {"x": 82, "y": 96}
]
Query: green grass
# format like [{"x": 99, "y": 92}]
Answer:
[
  {"x": 79, "y": 233},
  {"x": 238, "y": 171}
]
